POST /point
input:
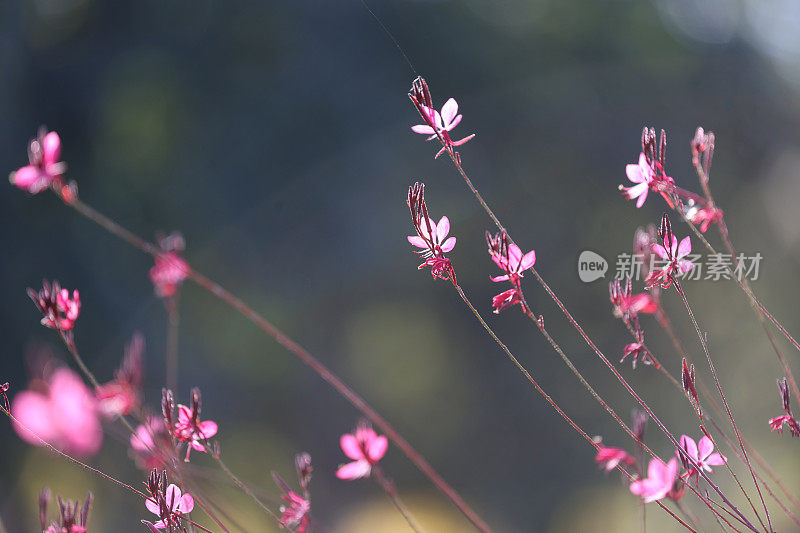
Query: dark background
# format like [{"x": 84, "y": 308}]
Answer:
[{"x": 276, "y": 136}]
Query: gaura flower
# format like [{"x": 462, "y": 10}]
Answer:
[
  {"x": 636, "y": 350},
  {"x": 72, "y": 516},
  {"x": 701, "y": 453},
  {"x": 673, "y": 253},
  {"x": 608, "y": 457},
  {"x": 431, "y": 237},
  {"x": 169, "y": 506},
  {"x": 43, "y": 166},
  {"x": 151, "y": 445},
  {"x": 437, "y": 125},
  {"x": 659, "y": 481},
  {"x": 295, "y": 515},
  {"x": 513, "y": 263},
  {"x": 188, "y": 427},
  {"x": 59, "y": 310},
  {"x": 365, "y": 448},
  {"x": 170, "y": 269},
  {"x": 627, "y": 306},
  {"x": 703, "y": 216},
  {"x": 648, "y": 174},
  {"x": 60, "y": 410},
  {"x": 788, "y": 419}
]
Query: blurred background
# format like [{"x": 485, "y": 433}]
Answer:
[{"x": 275, "y": 136}]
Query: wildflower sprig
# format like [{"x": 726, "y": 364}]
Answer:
[{"x": 431, "y": 237}]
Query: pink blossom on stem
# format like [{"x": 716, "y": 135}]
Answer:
[
  {"x": 648, "y": 174},
  {"x": 702, "y": 453},
  {"x": 627, "y": 306},
  {"x": 788, "y": 419},
  {"x": 188, "y": 428},
  {"x": 431, "y": 237},
  {"x": 703, "y": 216},
  {"x": 169, "y": 506},
  {"x": 437, "y": 125},
  {"x": 295, "y": 515},
  {"x": 43, "y": 166},
  {"x": 637, "y": 350},
  {"x": 59, "y": 309},
  {"x": 365, "y": 448},
  {"x": 608, "y": 457},
  {"x": 659, "y": 481},
  {"x": 170, "y": 269},
  {"x": 60, "y": 410},
  {"x": 121, "y": 396},
  {"x": 673, "y": 253},
  {"x": 509, "y": 257}
]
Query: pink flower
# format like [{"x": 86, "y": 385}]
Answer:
[
  {"x": 641, "y": 174},
  {"x": 121, "y": 396},
  {"x": 188, "y": 428},
  {"x": 61, "y": 411},
  {"x": 512, "y": 263},
  {"x": 648, "y": 173},
  {"x": 431, "y": 237},
  {"x": 510, "y": 259},
  {"x": 365, "y": 448},
  {"x": 673, "y": 253},
  {"x": 437, "y": 125},
  {"x": 44, "y": 166},
  {"x": 151, "y": 445},
  {"x": 170, "y": 269},
  {"x": 636, "y": 350},
  {"x": 170, "y": 506},
  {"x": 778, "y": 422},
  {"x": 659, "y": 481},
  {"x": 626, "y": 305},
  {"x": 608, "y": 458},
  {"x": 704, "y": 216},
  {"x": 506, "y": 299},
  {"x": 701, "y": 454},
  {"x": 295, "y": 516},
  {"x": 59, "y": 311}
]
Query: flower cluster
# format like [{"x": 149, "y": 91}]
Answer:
[
  {"x": 167, "y": 502},
  {"x": 170, "y": 269},
  {"x": 295, "y": 514},
  {"x": 59, "y": 309},
  {"x": 431, "y": 237},
  {"x": 510, "y": 259},
  {"x": 365, "y": 448},
  {"x": 787, "y": 419},
  {"x": 72, "y": 515},
  {"x": 673, "y": 253},
  {"x": 437, "y": 125},
  {"x": 648, "y": 174},
  {"x": 61, "y": 410},
  {"x": 121, "y": 396},
  {"x": 188, "y": 428},
  {"x": 44, "y": 167}
]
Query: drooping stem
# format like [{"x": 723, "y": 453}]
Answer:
[
  {"x": 704, "y": 343},
  {"x": 301, "y": 353},
  {"x": 391, "y": 491}
]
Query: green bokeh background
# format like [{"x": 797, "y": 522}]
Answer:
[{"x": 275, "y": 135}]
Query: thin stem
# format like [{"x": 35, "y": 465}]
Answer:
[
  {"x": 703, "y": 342},
  {"x": 301, "y": 353},
  {"x": 391, "y": 491},
  {"x": 239, "y": 483},
  {"x": 547, "y": 397},
  {"x": 173, "y": 324},
  {"x": 587, "y": 339}
]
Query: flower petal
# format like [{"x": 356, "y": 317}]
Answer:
[
  {"x": 354, "y": 470},
  {"x": 449, "y": 244},
  {"x": 528, "y": 260},
  {"x": 690, "y": 446},
  {"x": 51, "y": 149},
  {"x": 704, "y": 448},
  {"x": 187, "y": 503},
  {"x": 152, "y": 506},
  {"x": 685, "y": 247},
  {"x": 376, "y": 448},
  {"x": 449, "y": 111},
  {"x": 207, "y": 429},
  {"x": 716, "y": 459},
  {"x": 423, "y": 129},
  {"x": 417, "y": 241},
  {"x": 659, "y": 251},
  {"x": 442, "y": 228},
  {"x": 350, "y": 447}
]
